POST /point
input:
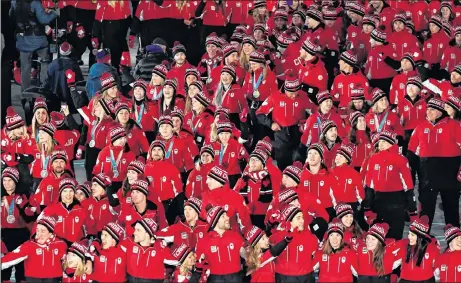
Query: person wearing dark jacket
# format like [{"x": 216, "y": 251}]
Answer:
[
  {"x": 103, "y": 65},
  {"x": 31, "y": 19},
  {"x": 155, "y": 55},
  {"x": 436, "y": 142},
  {"x": 56, "y": 79}
]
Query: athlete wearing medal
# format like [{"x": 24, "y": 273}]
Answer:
[
  {"x": 14, "y": 228},
  {"x": 113, "y": 160},
  {"x": 199, "y": 119}
]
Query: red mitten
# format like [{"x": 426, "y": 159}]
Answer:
[
  {"x": 274, "y": 218},
  {"x": 244, "y": 115},
  {"x": 394, "y": 278},
  {"x": 125, "y": 60},
  {"x": 81, "y": 32},
  {"x": 80, "y": 151},
  {"x": 17, "y": 73},
  {"x": 95, "y": 42},
  {"x": 131, "y": 41},
  {"x": 70, "y": 77},
  {"x": 370, "y": 216},
  {"x": 48, "y": 30},
  {"x": 69, "y": 26}
]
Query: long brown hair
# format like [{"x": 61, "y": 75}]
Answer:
[{"x": 378, "y": 259}]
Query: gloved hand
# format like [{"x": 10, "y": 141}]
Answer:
[
  {"x": 244, "y": 115},
  {"x": 81, "y": 32},
  {"x": 95, "y": 43},
  {"x": 95, "y": 247},
  {"x": 48, "y": 30},
  {"x": 80, "y": 151},
  {"x": 131, "y": 41},
  {"x": 199, "y": 267},
  {"x": 274, "y": 218},
  {"x": 125, "y": 60},
  {"x": 70, "y": 25},
  {"x": 394, "y": 278},
  {"x": 370, "y": 216},
  {"x": 289, "y": 236},
  {"x": 70, "y": 77}
]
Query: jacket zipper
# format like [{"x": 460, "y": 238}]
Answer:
[
  {"x": 228, "y": 251},
  {"x": 219, "y": 255}
]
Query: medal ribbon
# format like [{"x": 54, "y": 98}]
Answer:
[
  {"x": 168, "y": 153},
  {"x": 256, "y": 84},
  {"x": 139, "y": 115},
  {"x": 114, "y": 163},
  {"x": 11, "y": 209},
  {"x": 44, "y": 160},
  {"x": 93, "y": 131},
  {"x": 156, "y": 96},
  {"x": 221, "y": 154},
  {"x": 381, "y": 125}
]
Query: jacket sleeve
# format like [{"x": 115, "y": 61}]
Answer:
[
  {"x": 20, "y": 254},
  {"x": 43, "y": 17},
  {"x": 99, "y": 162},
  {"x": 264, "y": 111},
  {"x": 200, "y": 8}
]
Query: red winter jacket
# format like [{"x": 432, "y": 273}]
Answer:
[
  {"x": 178, "y": 72},
  {"x": 232, "y": 202},
  {"x": 165, "y": 179},
  {"x": 110, "y": 156},
  {"x": 178, "y": 153},
  {"x": 40, "y": 261},
  {"x": 451, "y": 57},
  {"x": 146, "y": 262},
  {"x": 336, "y": 267},
  {"x": 439, "y": 140},
  {"x": 208, "y": 64},
  {"x": 435, "y": 46},
  {"x": 286, "y": 112},
  {"x": 196, "y": 181},
  {"x": 311, "y": 132},
  {"x": 241, "y": 12},
  {"x": 366, "y": 265},
  {"x": 362, "y": 148},
  {"x": 230, "y": 156},
  {"x": 85, "y": 5},
  {"x": 120, "y": 11},
  {"x": 147, "y": 120},
  {"x": 101, "y": 212},
  {"x": 182, "y": 233},
  {"x": 344, "y": 85},
  {"x": 110, "y": 265},
  {"x": 311, "y": 206},
  {"x": 267, "y": 87},
  {"x": 409, "y": 270},
  {"x": 403, "y": 42},
  {"x": 386, "y": 120},
  {"x": 199, "y": 124},
  {"x": 323, "y": 185},
  {"x": 149, "y": 10},
  {"x": 296, "y": 259},
  {"x": 329, "y": 154},
  {"x": 40, "y": 164},
  {"x": 388, "y": 171},
  {"x": 129, "y": 215},
  {"x": 442, "y": 88},
  {"x": 214, "y": 15},
  {"x": 386, "y": 16},
  {"x": 399, "y": 86},
  {"x": 350, "y": 186},
  {"x": 47, "y": 191},
  {"x": 266, "y": 269},
  {"x": 71, "y": 222},
  {"x": 222, "y": 252},
  {"x": 375, "y": 67},
  {"x": 67, "y": 139},
  {"x": 447, "y": 266},
  {"x": 100, "y": 132},
  {"x": 314, "y": 74},
  {"x": 234, "y": 99},
  {"x": 10, "y": 147},
  {"x": 137, "y": 141},
  {"x": 420, "y": 14},
  {"x": 258, "y": 190},
  {"x": 412, "y": 113},
  {"x": 75, "y": 279}
]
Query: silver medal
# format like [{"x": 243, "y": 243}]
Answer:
[
  {"x": 44, "y": 173},
  {"x": 92, "y": 143},
  {"x": 10, "y": 219}
]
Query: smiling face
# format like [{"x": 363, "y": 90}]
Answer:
[
  {"x": 224, "y": 137},
  {"x": 139, "y": 93},
  {"x": 190, "y": 214},
  {"x": 335, "y": 240},
  {"x": 371, "y": 242},
  {"x": 412, "y": 238},
  {"x": 347, "y": 220},
  {"x": 43, "y": 137},
  {"x": 455, "y": 244},
  {"x": 97, "y": 190},
  {"x": 168, "y": 91},
  {"x": 398, "y": 26},
  {"x": 67, "y": 196},
  {"x": 42, "y": 234},
  {"x": 9, "y": 185},
  {"x": 223, "y": 222},
  {"x": 211, "y": 49},
  {"x": 298, "y": 221},
  {"x": 255, "y": 164},
  {"x": 58, "y": 166},
  {"x": 332, "y": 134},
  {"x": 180, "y": 58},
  {"x": 206, "y": 158},
  {"x": 41, "y": 116},
  {"x": 157, "y": 80},
  {"x": 326, "y": 106},
  {"x": 72, "y": 260},
  {"x": 226, "y": 78}
]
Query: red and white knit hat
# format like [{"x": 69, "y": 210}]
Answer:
[
  {"x": 149, "y": 225},
  {"x": 161, "y": 70},
  {"x": 138, "y": 165},
  {"x": 68, "y": 183},
  {"x": 58, "y": 154},
  {"x": 336, "y": 226},
  {"x": 107, "y": 81},
  {"x": 116, "y": 231},
  {"x": 79, "y": 250},
  {"x": 294, "y": 171},
  {"x": 48, "y": 128},
  {"x": 421, "y": 226},
  {"x": 12, "y": 173},
  {"x": 379, "y": 231},
  {"x": 102, "y": 179},
  {"x": 346, "y": 150},
  {"x": 213, "y": 215},
  {"x": 13, "y": 120},
  {"x": 57, "y": 118},
  {"x": 289, "y": 212},
  {"x": 40, "y": 103},
  {"x": 451, "y": 232},
  {"x": 253, "y": 235},
  {"x": 194, "y": 203},
  {"x": 116, "y": 132},
  {"x": 47, "y": 221},
  {"x": 181, "y": 253},
  {"x": 142, "y": 186},
  {"x": 287, "y": 196},
  {"x": 343, "y": 209},
  {"x": 219, "y": 174}
]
